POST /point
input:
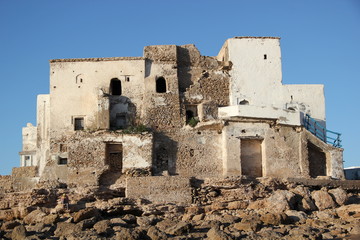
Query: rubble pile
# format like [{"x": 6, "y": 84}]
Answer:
[{"x": 227, "y": 208}]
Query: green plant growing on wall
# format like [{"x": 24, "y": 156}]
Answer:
[
  {"x": 135, "y": 129},
  {"x": 193, "y": 122}
]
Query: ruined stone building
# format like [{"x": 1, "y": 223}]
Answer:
[{"x": 176, "y": 112}]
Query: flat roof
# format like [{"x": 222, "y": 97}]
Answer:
[
  {"x": 257, "y": 37},
  {"x": 95, "y": 59}
]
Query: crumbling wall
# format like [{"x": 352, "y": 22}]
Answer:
[
  {"x": 189, "y": 152},
  {"x": 24, "y": 178},
  {"x": 160, "y": 189},
  {"x": 161, "y": 110},
  {"x": 212, "y": 85},
  {"x": 86, "y": 156},
  {"x": 285, "y": 150},
  {"x": 5, "y": 183}
]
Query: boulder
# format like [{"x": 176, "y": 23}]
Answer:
[
  {"x": 273, "y": 218},
  {"x": 35, "y": 228},
  {"x": 65, "y": 229},
  {"x": 129, "y": 218},
  {"x": 164, "y": 224},
  {"x": 19, "y": 233},
  {"x": 218, "y": 206},
  {"x": 237, "y": 205},
  {"x": 178, "y": 229},
  {"x": 9, "y": 225},
  {"x": 102, "y": 227},
  {"x": 34, "y": 217},
  {"x": 85, "y": 214},
  {"x": 50, "y": 219},
  {"x": 216, "y": 234},
  {"x": 20, "y": 212},
  {"x": 250, "y": 224},
  {"x": 339, "y": 195},
  {"x": 129, "y": 234},
  {"x": 145, "y": 221},
  {"x": 87, "y": 223},
  {"x": 349, "y": 212},
  {"x": 198, "y": 217},
  {"x": 322, "y": 199},
  {"x": 194, "y": 210},
  {"x": 155, "y": 234},
  {"x": 294, "y": 216},
  {"x": 280, "y": 201}
]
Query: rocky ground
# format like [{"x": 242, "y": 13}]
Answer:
[{"x": 230, "y": 208}]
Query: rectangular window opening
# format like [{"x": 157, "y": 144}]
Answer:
[
  {"x": 63, "y": 161},
  {"x": 79, "y": 124},
  {"x": 265, "y": 56}
]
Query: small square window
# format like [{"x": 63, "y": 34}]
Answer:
[
  {"x": 63, "y": 161},
  {"x": 79, "y": 124}
]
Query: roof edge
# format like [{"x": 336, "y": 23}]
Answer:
[{"x": 95, "y": 59}]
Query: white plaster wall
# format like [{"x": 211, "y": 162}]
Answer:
[
  {"x": 43, "y": 128},
  {"x": 309, "y": 99},
  {"x": 259, "y": 80},
  {"x": 29, "y": 136},
  {"x": 283, "y": 116},
  {"x": 70, "y": 97},
  {"x": 137, "y": 150},
  {"x": 254, "y": 78}
]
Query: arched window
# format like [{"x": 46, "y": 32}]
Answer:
[
  {"x": 160, "y": 85},
  {"x": 115, "y": 87},
  {"x": 244, "y": 102}
]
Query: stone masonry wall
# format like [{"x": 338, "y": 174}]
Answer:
[{"x": 160, "y": 189}]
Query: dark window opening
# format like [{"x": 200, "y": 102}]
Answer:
[
  {"x": 189, "y": 115},
  {"x": 115, "y": 87},
  {"x": 27, "y": 161},
  {"x": 79, "y": 124},
  {"x": 265, "y": 56},
  {"x": 244, "y": 102},
  {"x": 127, "y": 78},
  {"x": 160, "y": 85},
  {"x": 63, "y": 161}
]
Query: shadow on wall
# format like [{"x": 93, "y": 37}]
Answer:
[
  {"x": 165, "y": 155},
  {"x": 122, "y": 112},
  {"x": 183, "y": 72}
]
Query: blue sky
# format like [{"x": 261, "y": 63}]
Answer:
[{"x": 320, "y": 42}]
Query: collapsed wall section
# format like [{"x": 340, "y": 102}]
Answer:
[{"x": 98, "y": 158}]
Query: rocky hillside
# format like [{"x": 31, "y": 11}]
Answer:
[{"x": 230, "y": 208}]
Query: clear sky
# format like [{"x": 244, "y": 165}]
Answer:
[{"x": 320, "y": 42}]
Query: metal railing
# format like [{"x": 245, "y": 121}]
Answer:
[{"x": 321, "y": 132}]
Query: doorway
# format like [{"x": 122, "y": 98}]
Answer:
[
  {"x": 317, "y": 161},
  {"x": 114, "y": 155},
  {"x": 251, "y": 157}
]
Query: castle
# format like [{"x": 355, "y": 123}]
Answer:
[{"x": 174, "y": 112}]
